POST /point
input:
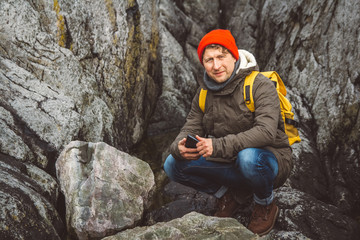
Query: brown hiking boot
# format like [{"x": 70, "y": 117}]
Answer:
[
  {"x": 263, "y": 218},
  {"x": 226, "y": 205}
]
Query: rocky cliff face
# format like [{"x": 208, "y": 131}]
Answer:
[{"x": 124, "y": 73}]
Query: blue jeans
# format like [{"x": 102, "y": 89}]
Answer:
[{"x": 254, "y": 168}]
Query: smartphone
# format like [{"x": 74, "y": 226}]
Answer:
[{"x": 191, "y": 142}]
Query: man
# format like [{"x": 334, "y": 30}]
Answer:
[{"x": 236, "y": 149}]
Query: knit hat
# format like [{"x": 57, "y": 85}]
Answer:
[{"x": 221, "y": 37}]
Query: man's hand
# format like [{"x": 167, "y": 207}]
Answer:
[
  {"x": 188, "y": 153},
  {"x": 204, "y": 146}
]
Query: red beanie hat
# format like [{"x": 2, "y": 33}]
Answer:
[{"x": 221, "y": 37}]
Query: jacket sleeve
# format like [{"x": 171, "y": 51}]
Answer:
[
  {"x": 192, "y": 126},
  {"x": 265, "y": 127}
]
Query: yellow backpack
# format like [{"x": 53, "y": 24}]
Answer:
[{"x": 290, "y": 125}]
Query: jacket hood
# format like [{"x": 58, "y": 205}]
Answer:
[{"x": 247, "y": 60}]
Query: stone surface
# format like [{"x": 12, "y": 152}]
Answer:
[
  {"x": 300, "y": 212},
  {"x": 105, "y": 190},
  {"x": 87, "y": 71},
  {"x": 191, "y": 226},
  {"x": 182, "y": 200},
  {"x": 301, "y": 215},
  {"x": 27, "y": 210},
  {"x": 73, "y": 70},
  {"x": 36, "y": 119}
]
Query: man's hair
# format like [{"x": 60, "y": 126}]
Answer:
[{"x": 216, "y": 46}]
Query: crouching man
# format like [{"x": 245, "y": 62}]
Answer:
[{"x": 236, "y": 149}]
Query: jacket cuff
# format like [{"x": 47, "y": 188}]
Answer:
[{"x": 215, "y": 145}]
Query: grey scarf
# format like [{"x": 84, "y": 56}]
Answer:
[{"x": 214, "y": 86}]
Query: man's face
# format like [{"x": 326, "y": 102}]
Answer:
[{"x": 218, "y": 65}]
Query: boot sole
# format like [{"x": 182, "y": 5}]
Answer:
[{"x": 272, "y": 225}]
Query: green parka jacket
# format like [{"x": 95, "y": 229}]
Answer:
[{"x": 233, "y": 127}]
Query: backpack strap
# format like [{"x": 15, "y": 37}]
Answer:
[
  {"x": 279, "y": 84},
  {"x": 202, "y": 99},
  {"x": 248, "y": 93}
]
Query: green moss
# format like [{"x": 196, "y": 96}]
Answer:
[
  {"x": 60, "y": 23},
  {"x": 63, "y": 33},
  {"x": 132, "y": 65},
  {"x": 155, "y": 39},
  {"x": 112, "y": 13}
]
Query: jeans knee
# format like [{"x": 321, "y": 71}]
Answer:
[
  {"x": 169, "y": 166},
  {"x": 247, "y": 162}
]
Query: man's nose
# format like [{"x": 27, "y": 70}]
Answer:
[{"x": 217, "y": 64}]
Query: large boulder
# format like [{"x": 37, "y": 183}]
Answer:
[
  {"x": 191, "y": 226},
  {"x": 105, "y": 190}
]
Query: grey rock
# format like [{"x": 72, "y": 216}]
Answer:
[
  {"x": 36, "y": 119},
  {"x": 69, "y": 72},
  {"x": 48, "y": 184},
  {"x": 204, "y": 13},
  {"x": 302, "y": 213},
  {"x": 178, "y": 86},
  {"x": 27, "y": 210},
  {"x": 191, "y": 226},
  {"x": 106, "y": 190},
  {"x": 182, "y": 200},
  {"x": 242, "y": 19},
  {"x": 286, "y": 235},
  {"x": 182, "y": 25}
]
